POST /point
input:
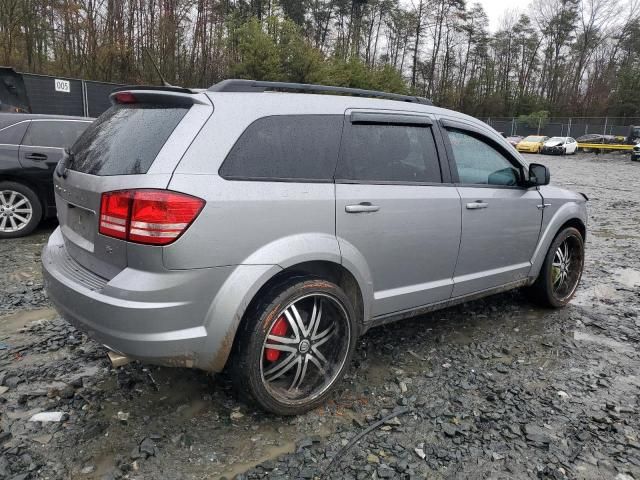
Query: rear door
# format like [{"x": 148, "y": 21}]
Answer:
[
  {"x": 501, "y": 218},
  {"x": 396, "y": 207},
  {"x": 132, "y": 145},
  {"x": 42, "y": 148},
  {"x": 10, "y": 138},
  {"x": 44, "y": 143}
]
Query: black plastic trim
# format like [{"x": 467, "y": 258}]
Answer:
[{"x": 390, "y": 119}]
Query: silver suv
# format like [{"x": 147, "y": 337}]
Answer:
[{"x": 261, "y": 228}]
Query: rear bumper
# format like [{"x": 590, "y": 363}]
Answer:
[{"x": 157, "y": 317}]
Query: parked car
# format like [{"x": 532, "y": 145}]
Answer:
[
  {"x": 264, "y": 232},
  {"x": 635, "y": 153},
  {"x": 30, "y": 148},
  {"x": 634, "y": 135},
  {"x": 560, "y": 146},
  {"x": 598, "y": 138},
  {"x": 531, "y": 144},
  {"x": 514, "y": 139}
]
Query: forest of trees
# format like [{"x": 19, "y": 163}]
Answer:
[{"x": 567, "y": 57}]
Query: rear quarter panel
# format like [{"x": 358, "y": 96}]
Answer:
[{"x": 255, "y": 223}]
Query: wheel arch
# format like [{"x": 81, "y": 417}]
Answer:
[
  {"x": 226, "y": 336},
  {"x": 576, "y": 223},
  {"x": 569, "y": 215},
  {"x": 327, "y": 270}
]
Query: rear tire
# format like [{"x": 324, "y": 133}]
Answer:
[
  {"x": 20, "y": 210},
  {"x": 561, "y": 271},
  {"x": 294, "y": 345}
]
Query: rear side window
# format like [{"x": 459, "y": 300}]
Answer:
[
  {"x": 125, "y": 139},
  {"x": 286, "y": 147},
  {"x": 389, "y": 153},
  {"x": 53, "y": 133},
  {"x": 13, "y": 134}
]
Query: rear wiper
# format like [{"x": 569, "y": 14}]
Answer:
[{"x": 61, "y": 168}]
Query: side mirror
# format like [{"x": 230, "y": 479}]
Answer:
[{"x": 539, "y": 174}]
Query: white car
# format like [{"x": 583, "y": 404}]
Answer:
[{"x": 560, "y": 145}]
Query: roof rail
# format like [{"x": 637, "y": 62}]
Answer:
[
  {"x": 159, "y": 88},
  {"x": 234, "y": 85}
]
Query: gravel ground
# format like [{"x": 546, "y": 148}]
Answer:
[{"x": 495, "y": 388}]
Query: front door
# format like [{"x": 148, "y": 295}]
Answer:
[
  {"x": 394, "y": 209},
  {"x": 501, "y": 218}
]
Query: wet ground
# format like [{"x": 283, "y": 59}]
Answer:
[{"x": 495, "y": 388}]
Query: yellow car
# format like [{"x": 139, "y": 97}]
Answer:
[{"x": 531, "y": 144}]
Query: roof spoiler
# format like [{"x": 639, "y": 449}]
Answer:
[{"x": 177, "y": 96}]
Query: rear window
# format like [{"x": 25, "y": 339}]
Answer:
[
  {"x": 125, "y": 139},
  {"x": 286, "y": 147}
]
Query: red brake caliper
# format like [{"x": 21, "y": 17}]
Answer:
[{"x": 280, "y": 329}]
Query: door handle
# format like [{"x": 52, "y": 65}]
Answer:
[
  {"x": 363, "y": 207},
  {"x": 36, "y": 156},
  {"x": 477, "y": 205}
]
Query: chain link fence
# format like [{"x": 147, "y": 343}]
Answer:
[{"x": 564, "y": 126}]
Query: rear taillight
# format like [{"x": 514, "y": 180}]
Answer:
[{"x": 153, "y": 217}]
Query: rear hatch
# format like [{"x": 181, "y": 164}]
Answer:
[{"x": 136, "y": 144}]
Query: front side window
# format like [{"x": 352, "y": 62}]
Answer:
[
  {"x": 286, "y": 147},
  {"x": 389, "y": 153},
  {"x": 479, "y": 163}
]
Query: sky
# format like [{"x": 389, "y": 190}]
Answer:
[{"x": 497, "y": 8}]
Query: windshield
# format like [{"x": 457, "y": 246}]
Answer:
[
  {"x": 533, "y": 138},
  {"x": 557, "y": 139}
]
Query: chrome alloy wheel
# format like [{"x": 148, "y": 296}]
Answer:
[
  {"x": 306, "y": 348},
  {"x": 566, "y": 268},
  {"x": 15, "y": 211}
]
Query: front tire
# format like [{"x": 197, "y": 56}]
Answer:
[
  {"x": 295, "y": 345},
  {"x": 561, "y": 271},
  {"x": 20, "y": 210}
]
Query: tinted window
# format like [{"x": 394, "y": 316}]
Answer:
[
  {"x": 52, "y": 133},
  {"x": 286, "y": 147},
  {"x": 13, "y": 135},
  {"x": 125, "y": 139},
  {"x": 391, "y": 153},
  {"x": 480, "y": 163}
]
